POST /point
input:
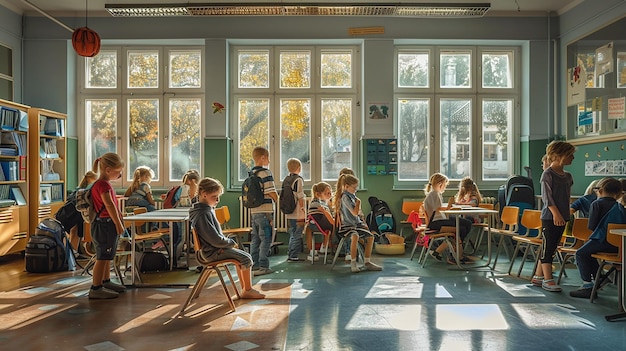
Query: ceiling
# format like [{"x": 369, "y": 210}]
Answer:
[{"x": 70, "y": 8}]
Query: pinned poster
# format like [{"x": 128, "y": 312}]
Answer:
[
  {"x": 617, "y": 108},
  {"x": 576, "y": 85},
  {"x": 604, "y": 59}
]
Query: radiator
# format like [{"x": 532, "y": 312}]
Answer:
[{"x": 280, "y": 222}]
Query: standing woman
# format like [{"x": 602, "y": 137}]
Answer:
[
  {"x": 107, "y": 227},
  {"x": 556, "y": 186}
]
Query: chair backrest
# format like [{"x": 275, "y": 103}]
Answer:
[
  {"x": 614, "y": 239},
  {"x": 410, "y": 205},
  {"x": 196, "y": 240},
  {"x": 314, "y": 218},
  {"x": 531, "y": 219},
  {"x": 580, "y": 230},
  {"x": 487, "y": 206},
  {"x": 220, "y": 214},
  {"x": 509, "y": 217},
  {"x": 139, "y": 224}
]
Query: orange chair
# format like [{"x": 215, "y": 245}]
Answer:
[
  {"x": 612, "y": 259},
  {"x": 531, "y": 219},
  {"x": 581, "y": 234},
  {"x": 223, "y": 216},
  {"x": 142, "y": 236},
  {"x": 509, "y": 218},
  {"x": 446, "y": 234},
  {"x": 408, "y": 206},
  {"x": 482, "y": 225}
]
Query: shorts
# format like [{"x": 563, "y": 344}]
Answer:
[{"x": 104, "y": 236}]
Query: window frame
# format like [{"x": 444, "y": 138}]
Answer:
[
  {"x": 274, "y": 93},
  {"x": 122, "y": 94},
  {"x": 9, "y": 78}
]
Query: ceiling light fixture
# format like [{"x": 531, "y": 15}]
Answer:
[{"x": 414, "y": 10}]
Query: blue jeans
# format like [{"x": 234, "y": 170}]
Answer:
[
  {"x": 587, "y": 265},
  {"x": 295, "y": 237},
  {"x": 261, "y": 239}
]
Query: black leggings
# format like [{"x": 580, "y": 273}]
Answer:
[
  {"x": 551, "y": 238},
  {"x": 465, "y": 225}
]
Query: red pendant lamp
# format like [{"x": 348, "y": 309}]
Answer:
[{"x": 86, "y": 42}]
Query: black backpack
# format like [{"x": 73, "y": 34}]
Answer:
[
  {"x": 252, "y": 194},
  {"x": 287, "y": 196},
  {"x": 380, "y": 219},
  {"x": 49, "y": 250}
]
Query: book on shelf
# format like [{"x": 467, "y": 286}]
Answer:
[
  {"x": 54, "y": 127},
  {"x": 15, "y": 141},
  {"x": 11, "y": 170},
  {"x": 22, "y": 165},
  {"x": 48, "y": 149},
  {"x": 17, "y": 195},
  {"x": 45, "y": 194},
  {"x": 9, "y": 118}
]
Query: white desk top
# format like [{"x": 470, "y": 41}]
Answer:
[{"x": 621, "y": 232}]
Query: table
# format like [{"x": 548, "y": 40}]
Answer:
[
  {"x": 621, "y": 315},
  {"x": 170, "y": 215},
  {"x": 467, "y": 211}
]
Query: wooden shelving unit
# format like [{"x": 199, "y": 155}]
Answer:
[
  {"x": 14, "y": 185},
  {"x": 47, "y": 166}
]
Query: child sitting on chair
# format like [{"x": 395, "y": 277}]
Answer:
[
  {"x": 348, "y": 206},
  {"x": 318, "y": 207},
  {"x": 139, "y": 192},
  {"x": 215, "y": 246}
]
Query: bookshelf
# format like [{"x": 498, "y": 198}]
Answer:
[
  {"x": 47, "y": 167},
  {"x": 14, "y": 189}
]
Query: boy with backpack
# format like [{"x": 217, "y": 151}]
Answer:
[
  {"x": 263, "y": 214},
  {"x": 292, "y": 200}
]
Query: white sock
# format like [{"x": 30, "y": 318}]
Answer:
[{"x": 366, "y": 259}]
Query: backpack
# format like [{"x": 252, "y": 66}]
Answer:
[
  {"x": 151, "y": 261},
  {"x": 252, "y": 194},
  {"x": 380, "y": 219},
  {"x": 170, "y": 198},
  {"x": 48, "y": 249},
  {"x": 67, "y": 214},
  {"x": 287, "y": 198},
  {"x": 84, "y": 205}
]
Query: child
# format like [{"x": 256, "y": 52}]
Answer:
[
  {"x": 262, "y": 227},
  {"x": 433, "y": 204},
  {"x": 139, "y": 192},
  {"x": 107, "y": 227},
  {"x": 69, "y": 217},
  {"x": 339, "y": 190},
  {"x": 583, "y": 204},
  {"x": 556, "y": 185},
  {"x": 610, "y": 190},
  {"x": 215, "y": 246},
  {"x": 318, "y": 207},
  {"x": 545, "y": 162},
  {"x": 187, "y": 193},
  {"x": 468, "y": 193},
  {"x": 348, "y": 206},
  {"x": 295, "y": 220}
]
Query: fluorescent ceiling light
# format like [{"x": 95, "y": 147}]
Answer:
[{"x": 301, "y": 9}]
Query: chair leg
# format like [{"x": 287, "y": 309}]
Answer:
[
  {"x": 596, "y": 283},
  {"x": 513, "y": 257},
  {"x": 312, "y": 252},
  {"x": 339, "y": 248},
  {"x": 225, "y": 288},
  {"x": 562, "y": 270},
  {"x": 195, "y": 291},
  {"x": 232, "y": 281},
  {"x": 521, "y": 266},
  {"x": 413, "y": 251}
]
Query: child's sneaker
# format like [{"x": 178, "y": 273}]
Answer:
[
  {"x": 102, "y": 293},
  {"x": 537, "y": 280},
  {"x": 550, "y": 285},
  {"x": 436, "y": 255},
  {"x": 114, "y": 286},
  {"x": 314, "y": 258},
  {"x": 293, "y": 259},
  {"x": 348, "y": 258},
  {"x": 262, "y": 271},
  {"x": 323, "y": 249},
  {"x": 372, "y": 267}
]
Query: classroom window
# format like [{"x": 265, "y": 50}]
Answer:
[
  {"x": 454, "y": 126},
  {"x": 298, "y": 102},
  {"x": 146, "y": 105},
  {"x": 6, "y": 73}
]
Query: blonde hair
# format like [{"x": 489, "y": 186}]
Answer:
[
  {"x": 610, "y": 187},
  {"x": 468, "y": 187},
  {"x": 434, "y": 179},
  {"x": 259, "y": 152},
  {"x": 559, "y": 149},
  {"x": 88, "y": 178},
  {"x": 108, "y": 160},
  {"x": 191, "y": 174},
  {"x": 293, "y": 164},
  {"x": 344, "y": 179},
  {"x": 319, "y": 188},
  {"x": 210, "y": 186},
  {"x": 590, "y": 187},
  {"x": 140, "y": 172}
]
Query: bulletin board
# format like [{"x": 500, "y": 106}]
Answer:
[{"x": 382, "y": 156}]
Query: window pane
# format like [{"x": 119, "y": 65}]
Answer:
[
  {"x": 497, "y": 116},
  {"x": 143, "y": 135},
  {"x": 413, "y": 69},
  {"x": 143, "y": 69},
  {"x": 295, "y": 69},
  {"x": 336, "y": 69},
  {"x": 413, "y": 139},
  {"x": 6, "y": 61},
  {"x": 184, "y": 149},
  {"x": 295, "y": 135},
  {"x": 101, "y": 70},
  {"x": 101, "y": 122},
  {"x": 254, "y": 117},
  {"x": 455, "y": 69},
  {"x": 185, "y": 70},
  {"x": 455, "y": 117},
  {"x": 497, "y": 70},
  {"x": 254, "y": 69},
  {"x": 336, "y": 136},
  {"x": 6, "y": 89}
]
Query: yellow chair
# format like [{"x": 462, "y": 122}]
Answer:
[
  {"x": 223, "y": 216},
  {"x": 531, "y": 219},
  {"x": 408, "y": 205},
  {"x": 482, "y": 225},
  {"x": 142, "y": 236},
  {"x": 581, "y": 234},
  {"x": 207, "y": 269},
  {"x": 509, "y": 219},
  {"x": 122, "y": 254},
  {"x": 612, "y": 259}
]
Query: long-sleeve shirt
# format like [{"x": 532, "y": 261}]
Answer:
[{"x": 204, "y": 221}]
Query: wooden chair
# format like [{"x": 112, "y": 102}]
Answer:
[
  {"x": 509, "y": 219},
  {"x": 207, "y": 269},
  {"x": 581, "y": 234},
  {"x": 445, "y": 234},
  {"x": 120, "y": 255},
  {"x": 142, "y": 236},
  {"x": 612, "y": 259},
  {"x": 408, "y": 205},
  {"x": 223, "y": 217},
  {"x": 314, "y": 227},
  {"x": 531, "y": 219}
]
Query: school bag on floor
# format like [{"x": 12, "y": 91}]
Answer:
[
  {"x": 49, "y": 249},
  {"x": 380, "y": 219}
]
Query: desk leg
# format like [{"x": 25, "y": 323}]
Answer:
[
  {"x": 458, "y": 239},
  {"x": 622, "y": 314},
  {"x": 172, "y": 253}
]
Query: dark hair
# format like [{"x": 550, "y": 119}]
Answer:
[{"x": 610, "y": 187}]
